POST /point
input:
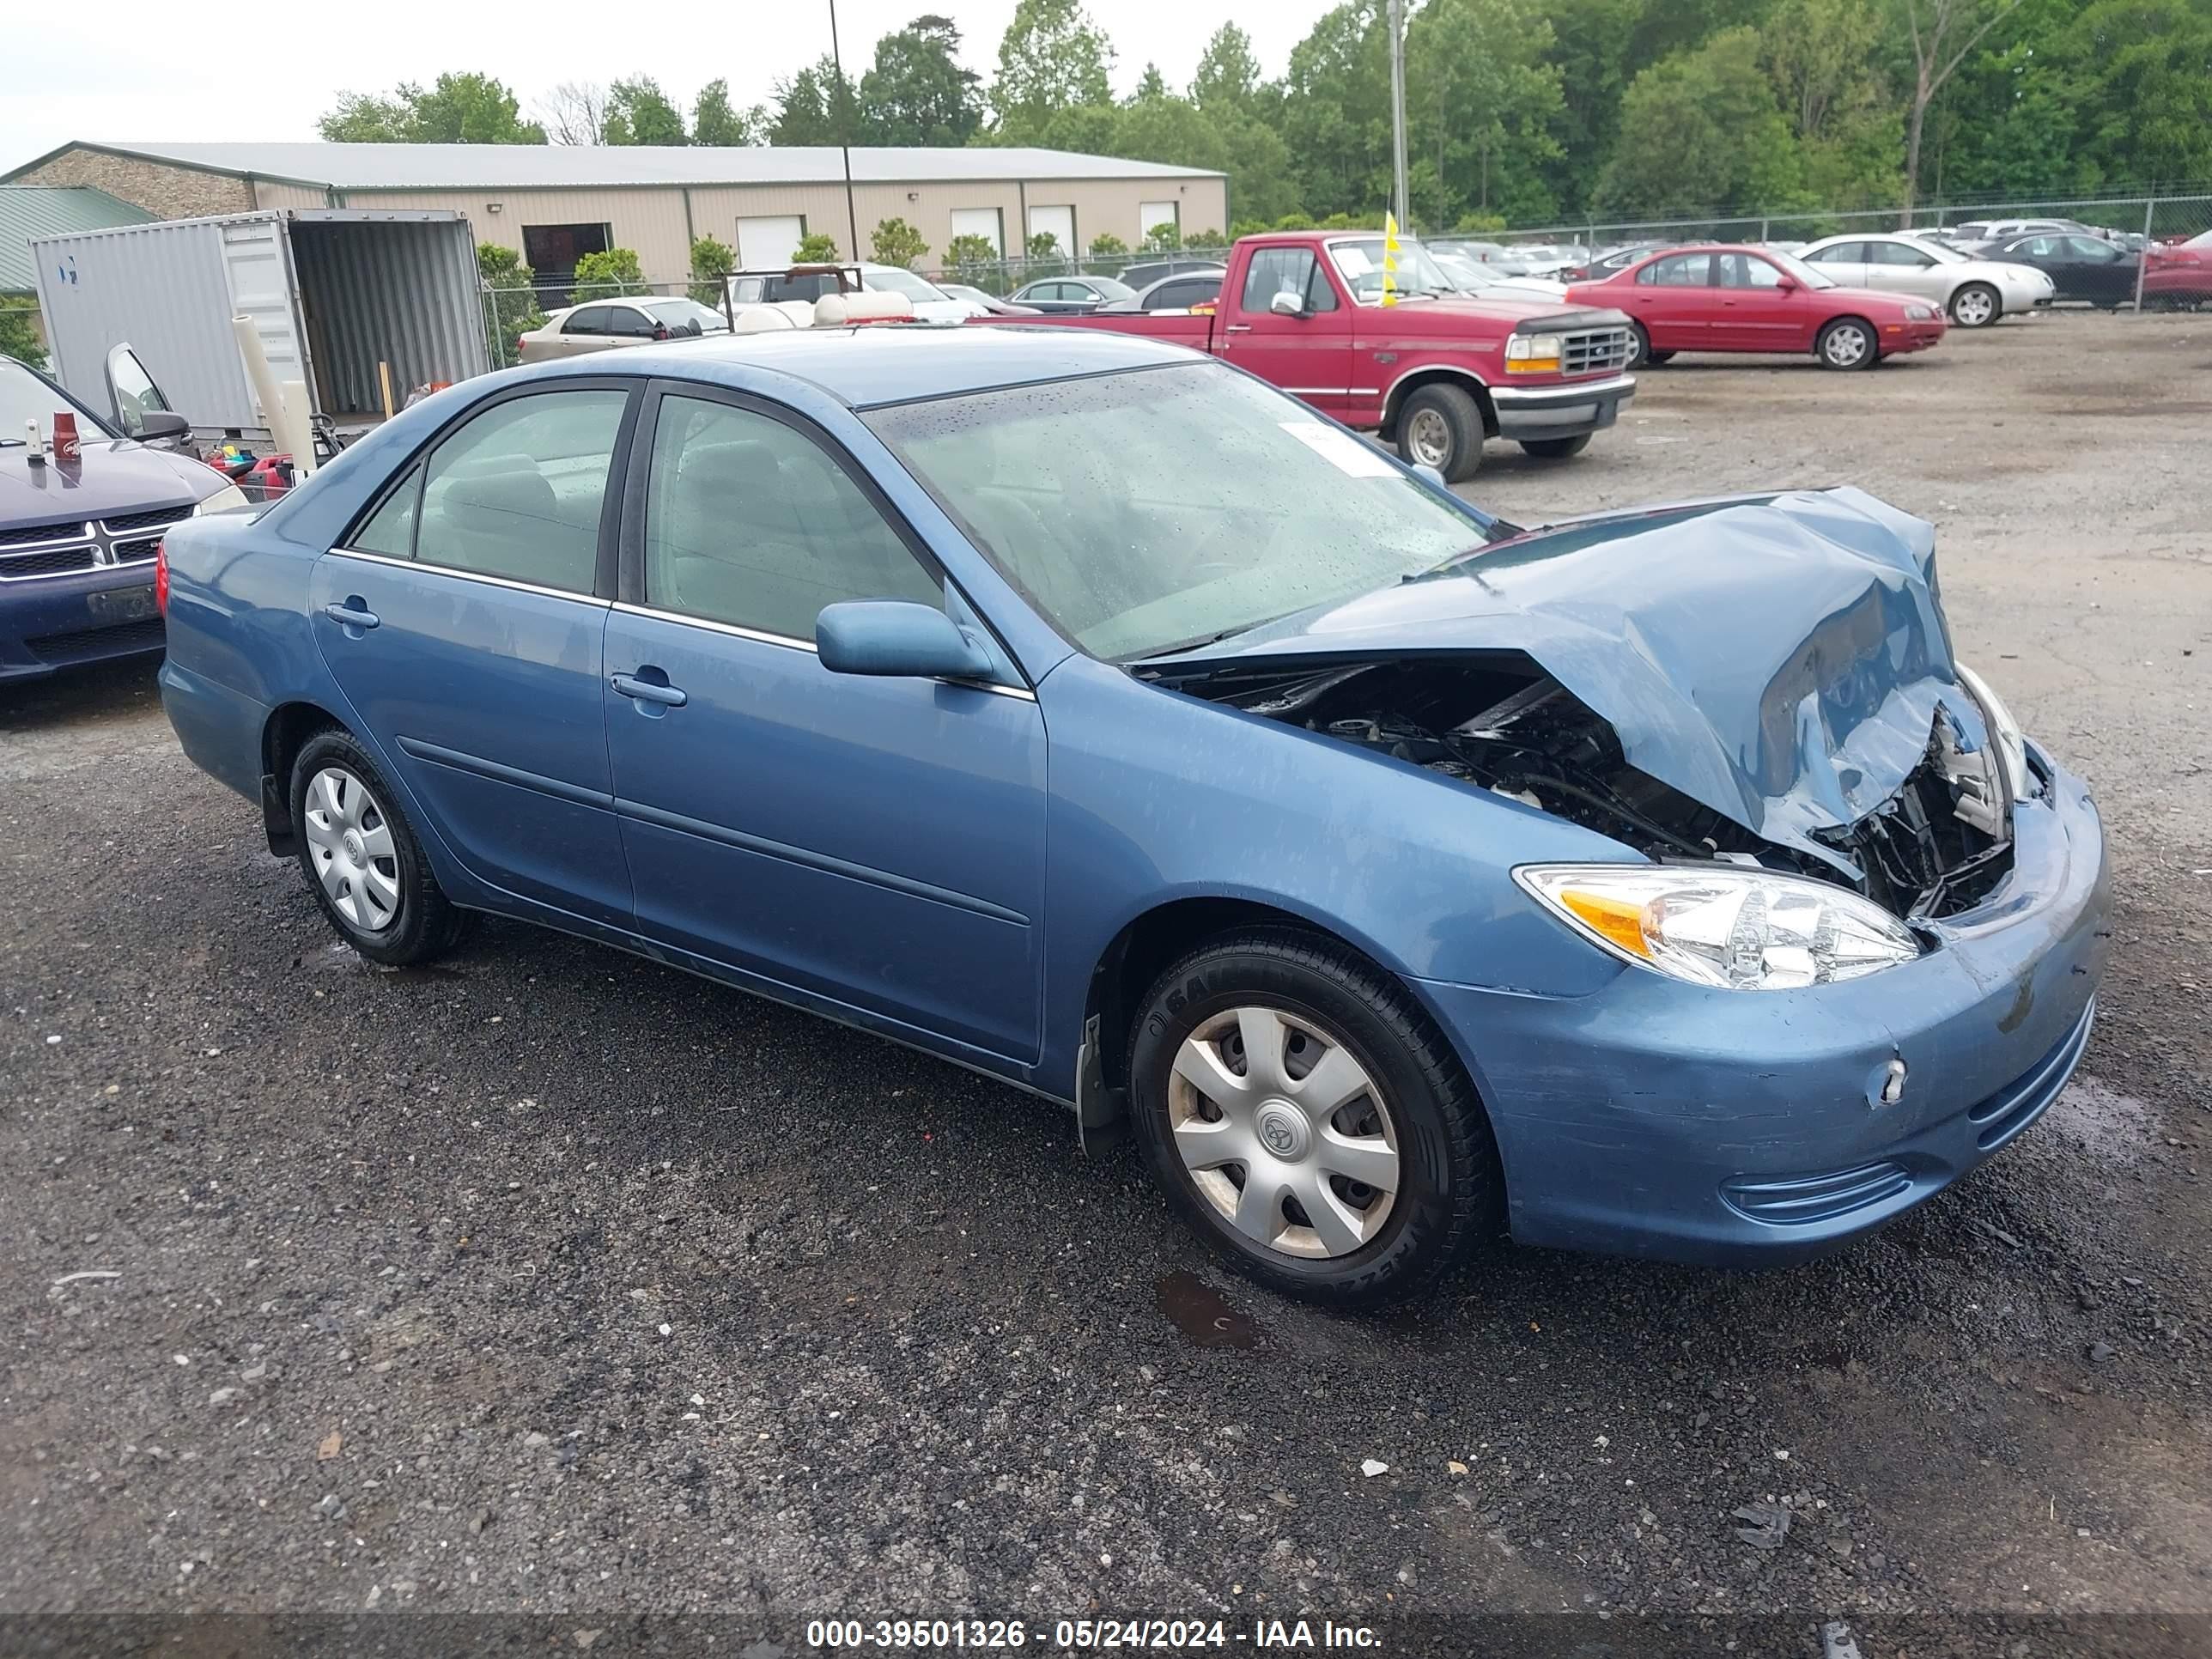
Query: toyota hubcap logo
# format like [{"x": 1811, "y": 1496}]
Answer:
[{"x": 1282, "y": 1130}]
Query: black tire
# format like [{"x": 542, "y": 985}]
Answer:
[
  {"x": 1828, "y": 345},
  {"x": 1451, "y": 1188},
  {"x": 1640, "y": 355},
  {"x": 1462, "y": 424},
  {"x": 425, "y": 924},
  {"x": 1980, "y": 291},
  {"x": 1655, "y": 358},
  {"x": 1556, "y": 449}
]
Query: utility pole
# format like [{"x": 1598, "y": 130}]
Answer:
[
  {"x": 845, "y": 135},
  {"x": 1397, "y": 26}
]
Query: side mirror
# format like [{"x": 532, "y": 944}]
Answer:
[
  {"x": 896, "y": 638},
  {"x": 162, "y": 425},
  {"x": 1288, "y": 303},
  {"x": 1785, "y": 285}
]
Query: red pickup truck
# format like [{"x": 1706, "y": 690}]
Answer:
[{"x": 1435, "y": 375}]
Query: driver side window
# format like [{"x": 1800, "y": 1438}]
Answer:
[{"x": 1286, "y": 270}]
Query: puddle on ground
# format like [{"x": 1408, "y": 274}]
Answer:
[
  {"x": 2102, "y": 1122},
  {"x": 1203, "y": 1314}
]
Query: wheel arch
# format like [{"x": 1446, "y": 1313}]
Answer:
[
  {"x": 1427, "y": 374},
  {"x": 1873, "y": 329},
  {"x": 283, "y": 734}
]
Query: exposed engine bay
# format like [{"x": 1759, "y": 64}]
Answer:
[{"x": 1498, "y": 721}]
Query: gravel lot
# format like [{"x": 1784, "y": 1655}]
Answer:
[{"x": 550, "y": 1282}]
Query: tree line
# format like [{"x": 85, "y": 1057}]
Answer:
[{"x": 1517, "y": 111}]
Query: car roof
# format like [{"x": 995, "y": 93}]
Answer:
[{"x": 900, "y": 362}]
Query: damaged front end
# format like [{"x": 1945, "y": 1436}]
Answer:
[{"x": 1720, "y": 720}]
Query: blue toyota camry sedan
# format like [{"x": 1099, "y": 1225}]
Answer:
[{"x": 1089, "y": 713}]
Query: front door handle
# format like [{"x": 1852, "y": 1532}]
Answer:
[
  {"x": 646, "y": 691},
  {"x": 352, "y": 611},
  {"x": 1236, "y": 328}
]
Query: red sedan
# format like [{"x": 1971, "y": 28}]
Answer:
[
  {"x": 1753, "y": 299},
  {"x": 2178, "y": 273}
]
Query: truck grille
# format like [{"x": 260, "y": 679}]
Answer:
[
  {"x": 152, "y": 518},
  {"x": 1594, "y": 351},
  {"x": 47, "y": 561},
  {"x": 30, "y": 535}
]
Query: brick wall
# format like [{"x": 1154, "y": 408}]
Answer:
[{"x": 174, "y": 192}]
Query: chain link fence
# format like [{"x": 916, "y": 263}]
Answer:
[{"x": 2150, "y": 229}]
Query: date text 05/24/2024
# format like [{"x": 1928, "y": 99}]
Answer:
[{"x": 1086, "y": 1635}]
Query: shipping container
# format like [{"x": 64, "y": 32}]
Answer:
[{"x": 332, "y": 293}]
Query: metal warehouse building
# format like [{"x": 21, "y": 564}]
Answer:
[{"x": 553, "y": 204}]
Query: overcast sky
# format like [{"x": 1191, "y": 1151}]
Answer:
[{"x": 130, "y": 70}]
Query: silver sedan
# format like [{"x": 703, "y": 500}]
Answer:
[{"x": 1975, "y": 293}]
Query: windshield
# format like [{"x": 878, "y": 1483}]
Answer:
[
  {"x": 1360, "y": 263},
  {"x": 1948, "y": 256},
  {"x": 1110, "y": 288},
  {"x": 1157, "y": 509},
  {"x": 25, "y": 396},
  {"x": 902, "y": 282},
  {"x": 687, "y": 317},
  {"x": 2202, "y": 239}
]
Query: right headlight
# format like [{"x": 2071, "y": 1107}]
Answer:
[{"x": 1733, "y": 928}]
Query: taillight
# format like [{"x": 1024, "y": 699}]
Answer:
[{"x": 162, "y": 576}]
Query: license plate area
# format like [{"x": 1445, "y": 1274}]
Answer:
[{"x": 121, "y": 604}]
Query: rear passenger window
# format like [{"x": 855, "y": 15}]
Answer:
[
  {"x": 588, "y": 319},
  {"x": 747, "y": 522},
  {"x": 517, "y": 492}
]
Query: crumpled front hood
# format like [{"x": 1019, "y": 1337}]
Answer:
[{"x": 1779, "y": 659}]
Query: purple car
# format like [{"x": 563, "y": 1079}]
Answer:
[{"x": 77, "y": 537}]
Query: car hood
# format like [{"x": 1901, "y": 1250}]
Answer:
[
  {"x": 1778, "y": 658},
  {"x": 107, "y": 477}
]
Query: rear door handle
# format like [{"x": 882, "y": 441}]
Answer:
[
  {"x": 351, "y": 612},
  {"x": 646, "y": 691}
]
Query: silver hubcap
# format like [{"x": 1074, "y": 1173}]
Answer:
[
  {"x": 350, "y": 841},
  {"x": 1284, "y": 1133},
  {"x": 1429, "y": 437},
  {"x": 1973, "y": 309},
  {"x": 1846, "y": 345}
]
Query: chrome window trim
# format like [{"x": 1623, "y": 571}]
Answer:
[
  {"x": 470, "y": 576},
  {"x": 761, "y": 636}
]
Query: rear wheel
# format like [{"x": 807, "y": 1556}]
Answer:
[
  {"x": 362, "y": 862},
  {"x": 1441, "y": 426},
  {"x": 1847, "y": 343},
  {"x": 1655, "y": 358},
  {"x": 1556, "y": 449},
  {"x": 1308, "y": 1120},
  {"x": 1976, "y": 306},
  {"x": 1640, "y": 353}
]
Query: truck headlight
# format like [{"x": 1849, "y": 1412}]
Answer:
[
  {"x": 1734, "y": 929},
  {"x": 1532, "y": 354},
  {"x": 229, "y": 496},
  {"x": 2005, "y": 735}
]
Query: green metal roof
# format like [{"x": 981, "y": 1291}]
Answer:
[{"x": 29, "y": 211}]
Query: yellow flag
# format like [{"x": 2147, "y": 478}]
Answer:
[{"x": 1389, "y": 260}]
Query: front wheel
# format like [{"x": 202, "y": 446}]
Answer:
[
  {"x": 1846, "y": 344},
  {"x": 1556, "y": 449},
  {"x": 1640, "y": 355},
  {"x": 362, "y": 861},
  {"x": 1308, "y": 1122},
  {"x": 1976, "y": 306},
  {"x": 1441, "y": 426}
]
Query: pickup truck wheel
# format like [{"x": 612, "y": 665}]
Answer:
[
  {"x": 1556, "y": 449},
  {"x": 1976, "y": 306},
  {"x": 1847, "y": 344},
  {"x": 1308, "y": 1120},
  {"x": 1441, "y": 426},
  {"x": 362, "y": 862}
]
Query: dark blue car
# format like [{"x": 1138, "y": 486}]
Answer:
[
  {"x": 77, "y": 535},
  {"x": 1091, "y": 714}
]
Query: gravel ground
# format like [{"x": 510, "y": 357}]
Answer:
[{"x": 549, "y": 1282}]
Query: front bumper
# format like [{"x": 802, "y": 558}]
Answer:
[
  {"x": 49, "y": 623},
  {"x": 1897, "y": 338},
  {"x": 1657, "y": 1119},
  {"x": 1560, "y": 411}
]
